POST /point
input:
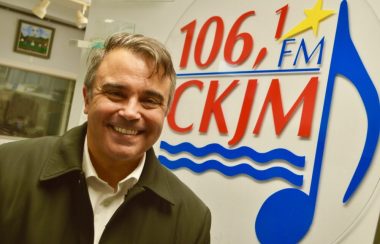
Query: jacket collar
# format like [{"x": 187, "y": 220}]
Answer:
[
  {"x": 67, "y": 157},
  {"x": 67, "y": 154},
  {"x": 155, "y": 177}
]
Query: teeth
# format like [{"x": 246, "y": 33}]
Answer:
[{"x": 125, "y": 131}]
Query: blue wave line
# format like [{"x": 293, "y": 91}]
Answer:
[
  {"x": 244, "y": 169},
  {"x": 276, "y": 154}
]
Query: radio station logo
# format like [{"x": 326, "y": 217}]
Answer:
[{"x": 220, "y": 107}]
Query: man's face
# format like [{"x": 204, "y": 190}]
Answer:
[{"x": 127, "y": 109}]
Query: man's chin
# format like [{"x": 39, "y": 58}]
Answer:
[{"x": 125, "y": 154}]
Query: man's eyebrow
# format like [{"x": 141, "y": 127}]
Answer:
[{"x": 110, "y": 86}]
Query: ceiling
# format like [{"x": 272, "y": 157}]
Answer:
[{"x": 65, "y": 10}]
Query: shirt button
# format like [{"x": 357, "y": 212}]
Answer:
[{"x": 107, "y": 202}]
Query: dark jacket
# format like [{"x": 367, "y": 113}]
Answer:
[{"x": 44, "y": 199}]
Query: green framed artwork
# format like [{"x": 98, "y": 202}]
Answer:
[{"x": 34, "y": 39}]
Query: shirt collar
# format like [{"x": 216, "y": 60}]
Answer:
[{"x": 127, "y": 182}]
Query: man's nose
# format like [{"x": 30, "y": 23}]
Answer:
[{"x": 130, "y": 110}]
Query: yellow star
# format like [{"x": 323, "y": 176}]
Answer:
[{"x": 313, "y": 17}]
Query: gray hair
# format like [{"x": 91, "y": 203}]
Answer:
[{"x": 149, "y": 48}]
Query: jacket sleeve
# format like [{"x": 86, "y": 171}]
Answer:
[{"x": 204, "y": 235}]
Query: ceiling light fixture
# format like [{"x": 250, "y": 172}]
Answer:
[
  {"x": 82, "y": 20},
  {"x": 40, "y": 9}
]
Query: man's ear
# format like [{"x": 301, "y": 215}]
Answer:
[{"x": 86, "y": 98}]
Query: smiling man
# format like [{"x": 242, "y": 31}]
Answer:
[
  {"x": 101, "y": 182},
  {"x": 126, "y": 107}
]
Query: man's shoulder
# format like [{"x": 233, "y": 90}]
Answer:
[
  {"x": 24, "y": 146},
  {"x": 25, "y": 157},
  {"x": 33, "y": 151},
  {"x": 40, "y": 144}
]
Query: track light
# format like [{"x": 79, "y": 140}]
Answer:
[
  {"x": 40, "y": 9},
  {"x": 81, "y": 19}
]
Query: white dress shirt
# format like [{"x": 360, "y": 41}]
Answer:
[{"x": 105, "y": 200}]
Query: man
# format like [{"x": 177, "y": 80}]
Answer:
[{"x": 101, "y": 182}]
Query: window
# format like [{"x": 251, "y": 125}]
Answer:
[{"x": 33, "y": 104}]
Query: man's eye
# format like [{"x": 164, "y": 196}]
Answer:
[
  {"x": 114, "y": 94},
  {"x": 151, "y": 103}
]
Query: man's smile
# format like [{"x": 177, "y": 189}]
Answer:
[{"x": 124, "y": 131}]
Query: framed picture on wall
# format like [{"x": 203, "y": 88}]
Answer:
[
  {"x": 34, "y": 39},
  {"x": 33, "y": 104}
]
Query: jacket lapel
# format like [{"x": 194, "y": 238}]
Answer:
[
  {"x": 67, "y": 154},
  {"x": 154, "y": 177}
]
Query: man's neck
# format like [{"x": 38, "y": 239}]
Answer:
[{"x": 114, "y": 172}]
